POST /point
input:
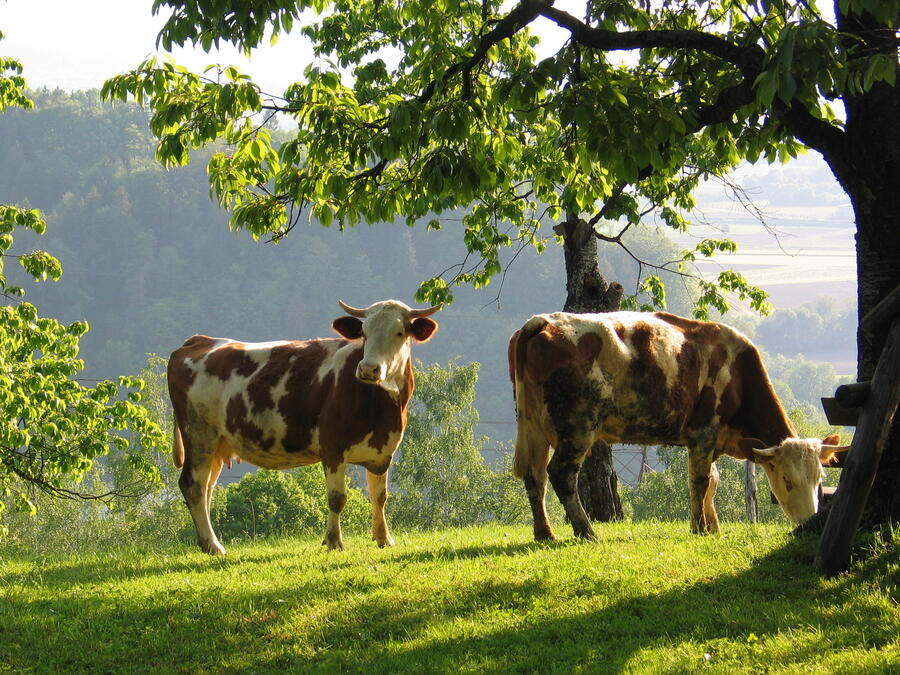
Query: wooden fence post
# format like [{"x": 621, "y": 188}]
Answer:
[
  {"x": 861, "y": 464},
  {"x": 750, "y": 498}
]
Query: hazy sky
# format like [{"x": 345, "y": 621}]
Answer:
[{"x": 77, "y": 44}]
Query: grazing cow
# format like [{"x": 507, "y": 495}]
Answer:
[
  {"x": 281, "y": 405},
  {"x": 654, "y": 379}
]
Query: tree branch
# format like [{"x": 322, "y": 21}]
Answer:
[{"x": 747, "y": 59}]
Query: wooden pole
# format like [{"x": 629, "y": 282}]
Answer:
[
  {"x": 750, "y": 499},
  {"x": 861, "y": 464},
  {"x": 640, "y": 476}
]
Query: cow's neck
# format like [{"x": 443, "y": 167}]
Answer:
[
  {"x": 765, "y": 418},
  {"x": 400, "y": 384},
  {"x": 760, "y": 413}
]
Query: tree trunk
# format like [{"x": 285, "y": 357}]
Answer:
[
  {"x": 878, "y": 269},
  {"x": 588, "y": 291},
  {"x": 867, "y": 165}
]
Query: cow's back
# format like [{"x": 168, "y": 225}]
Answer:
[{"x": 623, "y": 376}]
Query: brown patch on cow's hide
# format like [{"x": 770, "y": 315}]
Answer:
[
  {"x": 336, "y": 501},
  {"x": 646, "y": 374},
  {"x": 717, "y": 358},
  {"x": 181, "y": 376},
  {"x": 749, "y": 403},
  {"x": 575, "y": 405},
  {"x": 704, "y": 409},
  {"x": 588, "y": 348},
  {"x": 547, "y": 351},
  {"x": 230, "y": 359},
  {"x": 683, "y": 394},
  {"x": 620, "y": 330},
  {"x": 301, "y": 405},
  {"x": 259, "y": 388},
  {"x": 238, "y": 424},
  {"x": 698, "y": 332}
]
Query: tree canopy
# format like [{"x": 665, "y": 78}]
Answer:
[{"x": 417, "y": 109}]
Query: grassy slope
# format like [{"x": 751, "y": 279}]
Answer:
[{"x": 647, "y": 598}]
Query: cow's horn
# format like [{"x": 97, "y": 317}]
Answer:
[
  {"x": 836, "y": 448},
  {"x": 419, "y": 313},
  {"x": 352, "y": 311}
]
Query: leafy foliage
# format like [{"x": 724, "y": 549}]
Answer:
[
  {"x": 52, "y": 427},
  {"x": 418, "y": 110}
]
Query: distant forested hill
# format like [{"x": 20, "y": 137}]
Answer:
[{"x": 149, "y": 260}]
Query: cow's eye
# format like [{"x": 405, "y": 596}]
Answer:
[{"x": 399, "y": 333}]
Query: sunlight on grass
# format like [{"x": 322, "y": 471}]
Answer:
[{"x": 648, "y": 597}]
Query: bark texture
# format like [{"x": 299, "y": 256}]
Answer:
[{"x": 865, "y": 159}]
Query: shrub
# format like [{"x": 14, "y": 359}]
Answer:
[
  {"x": 440, "y": 478},
  {"x": 292, "y": 502}
]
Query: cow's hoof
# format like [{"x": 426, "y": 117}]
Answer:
[
  {"x": 587, "y": 535},
  {"x": 333, "y": 544},
  {"x": 386, "y": 542},
  {"x": 544, "y": 535},
  {"x": 215, "y": 548}
]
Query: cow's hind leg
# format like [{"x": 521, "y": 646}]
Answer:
[
  {"x": 197, "y": 478},
  {"x": 702, "y": 487},
  {"x": 336, "y": 487},
  {"x": 378, "y": 494},
  {"x": 535, "y": 479},
  {"x": 563, "y": 470}
]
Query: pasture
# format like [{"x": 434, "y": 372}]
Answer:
[{"x": 649, "y": 597}]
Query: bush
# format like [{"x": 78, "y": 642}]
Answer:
[
  {"x": 440, "y": 478},
  {"x": 292, "y": 502}
]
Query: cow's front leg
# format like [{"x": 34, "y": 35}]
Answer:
[
  {"x": 709, "y": 507},
  {"x": 700, "y": 468},
  {"x": 563, "y": 470},
  {"x": 378, "y": 494},
  {"x": 336, "y": 488}
]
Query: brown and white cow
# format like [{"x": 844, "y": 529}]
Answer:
[
  {"x": 281, "y": 405},
  {"x": 655, "y": 379}
]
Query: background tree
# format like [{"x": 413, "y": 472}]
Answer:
[
  {"x": 52, "y": 427},
  {"x": 418, "y": 108},
  {"x": 440, "y": 475}
]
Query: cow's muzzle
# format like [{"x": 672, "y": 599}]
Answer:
[{"x": 369, "y": 373}]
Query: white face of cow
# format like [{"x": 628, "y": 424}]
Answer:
[
  {"x": 385, "y": 328},
  {"x": 795, "y": 470}
]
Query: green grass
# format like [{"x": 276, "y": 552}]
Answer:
[{"x": 649, "y": 597}]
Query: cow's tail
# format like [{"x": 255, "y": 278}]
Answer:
[
  {"x": 177, "y": 447},
  {"x": 518, "y": 344}
]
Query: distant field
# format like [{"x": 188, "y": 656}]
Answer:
[{"x": 646, "y": 598}]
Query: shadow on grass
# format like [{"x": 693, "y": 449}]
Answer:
[{"x": 357, "y": 627}]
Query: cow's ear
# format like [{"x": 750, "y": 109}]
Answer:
[
  {"x": 422, "y": 329},
  {"x": 833, "y": 439},
  {"x": 348, "y": 326}
]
